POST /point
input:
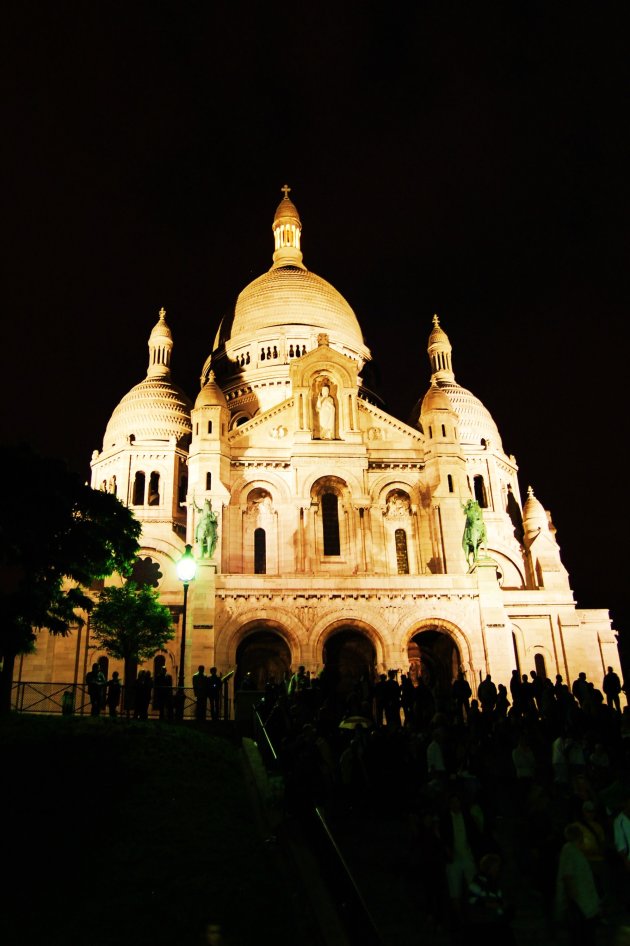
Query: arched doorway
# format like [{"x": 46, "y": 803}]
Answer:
[
  {"x": 349, "y": 659},
  {"x": 264, "y": 654},
  {"x": 434, "y": 656}
]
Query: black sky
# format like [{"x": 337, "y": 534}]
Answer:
[{"x": 460, "y": 158}]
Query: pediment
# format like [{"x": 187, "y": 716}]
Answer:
[
  {"x": 378, "y": 428},
  {"x": 273, "y": 428}
]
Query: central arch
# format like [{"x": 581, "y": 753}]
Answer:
[
  {"x": 263, "y": 653},
  {"x": 434, "y": 655},
  {"x": 349, "y": 658}
]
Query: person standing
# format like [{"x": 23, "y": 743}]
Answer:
[
  {"x": 200, "y": 688},
  {"x": 392, "y": 701},
  {"x": 114, "y": 690},
  {"x": 577, "y": 900},
  {"x": 214, "y": 685},
  {"x": 164, "y": 694},
  {"x": 96, "y": 684},
  {"x": 461, "y": 693},
  {"x": 612, "y": 688},
  {"x": 487, "y": 693}
]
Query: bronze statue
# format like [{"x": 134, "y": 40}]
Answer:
[
  {"x": 474, "y": 530},
  {"x": 206, "y": 531}
]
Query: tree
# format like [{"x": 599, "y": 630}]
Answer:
[
  {"x": 57, "y": 535},
  {"x": 131, "y": 625}
]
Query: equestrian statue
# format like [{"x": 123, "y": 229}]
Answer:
[{"x": 474, "y": 531}]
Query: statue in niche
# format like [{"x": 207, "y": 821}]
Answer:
[
  {"x": 206, "y": 531},
  {"x": 260, "y": 505},
  {"x": 326, "y": 410},
  {"x": 397, "y": 505}
]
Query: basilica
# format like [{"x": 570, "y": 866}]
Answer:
[{"x": 338, "y": 534}]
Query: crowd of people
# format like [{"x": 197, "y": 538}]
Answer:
[{"x": 529, "y": 780}]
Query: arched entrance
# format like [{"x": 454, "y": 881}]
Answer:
[
  {"x": 434, "y": 656},
  {"x": 349, "y": 658},
  {"x": 264, "y": 654}
]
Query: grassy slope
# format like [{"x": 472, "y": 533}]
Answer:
[{"x": 117, "y": 833}]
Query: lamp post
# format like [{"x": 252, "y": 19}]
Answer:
[{"x": 186, "y": 570}]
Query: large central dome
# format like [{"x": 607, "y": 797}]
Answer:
[
  {"x": 277, "y": 318},
  {"x": 291, "y": 297}
]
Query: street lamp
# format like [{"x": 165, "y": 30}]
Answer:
[{"x": 186, "y": 570}]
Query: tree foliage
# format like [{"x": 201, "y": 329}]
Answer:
[
  {"x": 57, "y": 535},
  {"x": 130, "y": 623}
]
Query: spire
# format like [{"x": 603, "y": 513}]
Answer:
[
  {"x": 440, "y": 353},
  {"x": 287, "y": 232},
  {"x": 160, "y": 348}
]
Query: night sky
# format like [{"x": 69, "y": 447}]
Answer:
[{"x": 463, "y": 159}]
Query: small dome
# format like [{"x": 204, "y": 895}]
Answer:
[
  {"x": 211, "y": 394},
  {"x": 155, "y": 409},
  {"x": 534, "y": 514},
  {"x": 286, "y": 212},
  {"x": 160, "y": 329},
  {"x": 435, "y": 400},
  {"x": 438, "y": 335},
  {"x": 475, "y": 420}
]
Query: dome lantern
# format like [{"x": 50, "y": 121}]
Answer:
[
  {"x": 287, "y": 233},
  {"x": 160, "y": 348}
]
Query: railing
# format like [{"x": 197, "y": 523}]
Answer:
[
  {"x": 352, "y": 910},
  {"x": 71, "y": 699}
]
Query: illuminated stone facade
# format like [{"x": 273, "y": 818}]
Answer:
[{"x": 339, "y": 526}]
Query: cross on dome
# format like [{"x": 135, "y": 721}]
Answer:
[
  {"x": 162, "y": 312},
  {"x": 286, "y": 190}
]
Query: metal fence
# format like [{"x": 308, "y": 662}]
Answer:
[{"x": 71, "y": 699}]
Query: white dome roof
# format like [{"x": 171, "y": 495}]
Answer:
[
  {"x": 155, "y": 409},
  {"x": 475, "y": 420},
  {"x": 290, "y": 296}
]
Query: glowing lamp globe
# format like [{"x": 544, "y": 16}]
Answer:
[{"x": 186, "y": 566}]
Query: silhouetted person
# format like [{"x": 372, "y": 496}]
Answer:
[
  {"x": 214, "y": 686},
  {"x": 612, "y": 688},
  {"x": 392, "y": 701},
  {"x": 579, "y": 688},
  {"x": 487, "y": 693},
  {"x": 199, "y": 682},
  {"x": 462, "y": 693},
  {"x": 164, "y": 694},
  {"x": 96, "y": 683},
  {"x": 144, "y": 687},
  {"x": 380, "y": 697},
  {"x": 114, "y": 690}
]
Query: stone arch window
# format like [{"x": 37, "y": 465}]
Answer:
[
  {"x": 539, "y": 664},
  {"x": 138, "y": 489},
  {"x": 154, "y": 489},
  {"x": 480, "y": 491},
  {"x": 449, "y": 480},
  {"x": 209, "y": 426},
  {"x": 260, "y": 552},
  {"x": 330, "y": 523},
  {"x": 208, "y": 480},
  {"x": 402, "y": 559},
  {"x": 183, "y": 487},
  {"x": 443, "y": 430}
]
